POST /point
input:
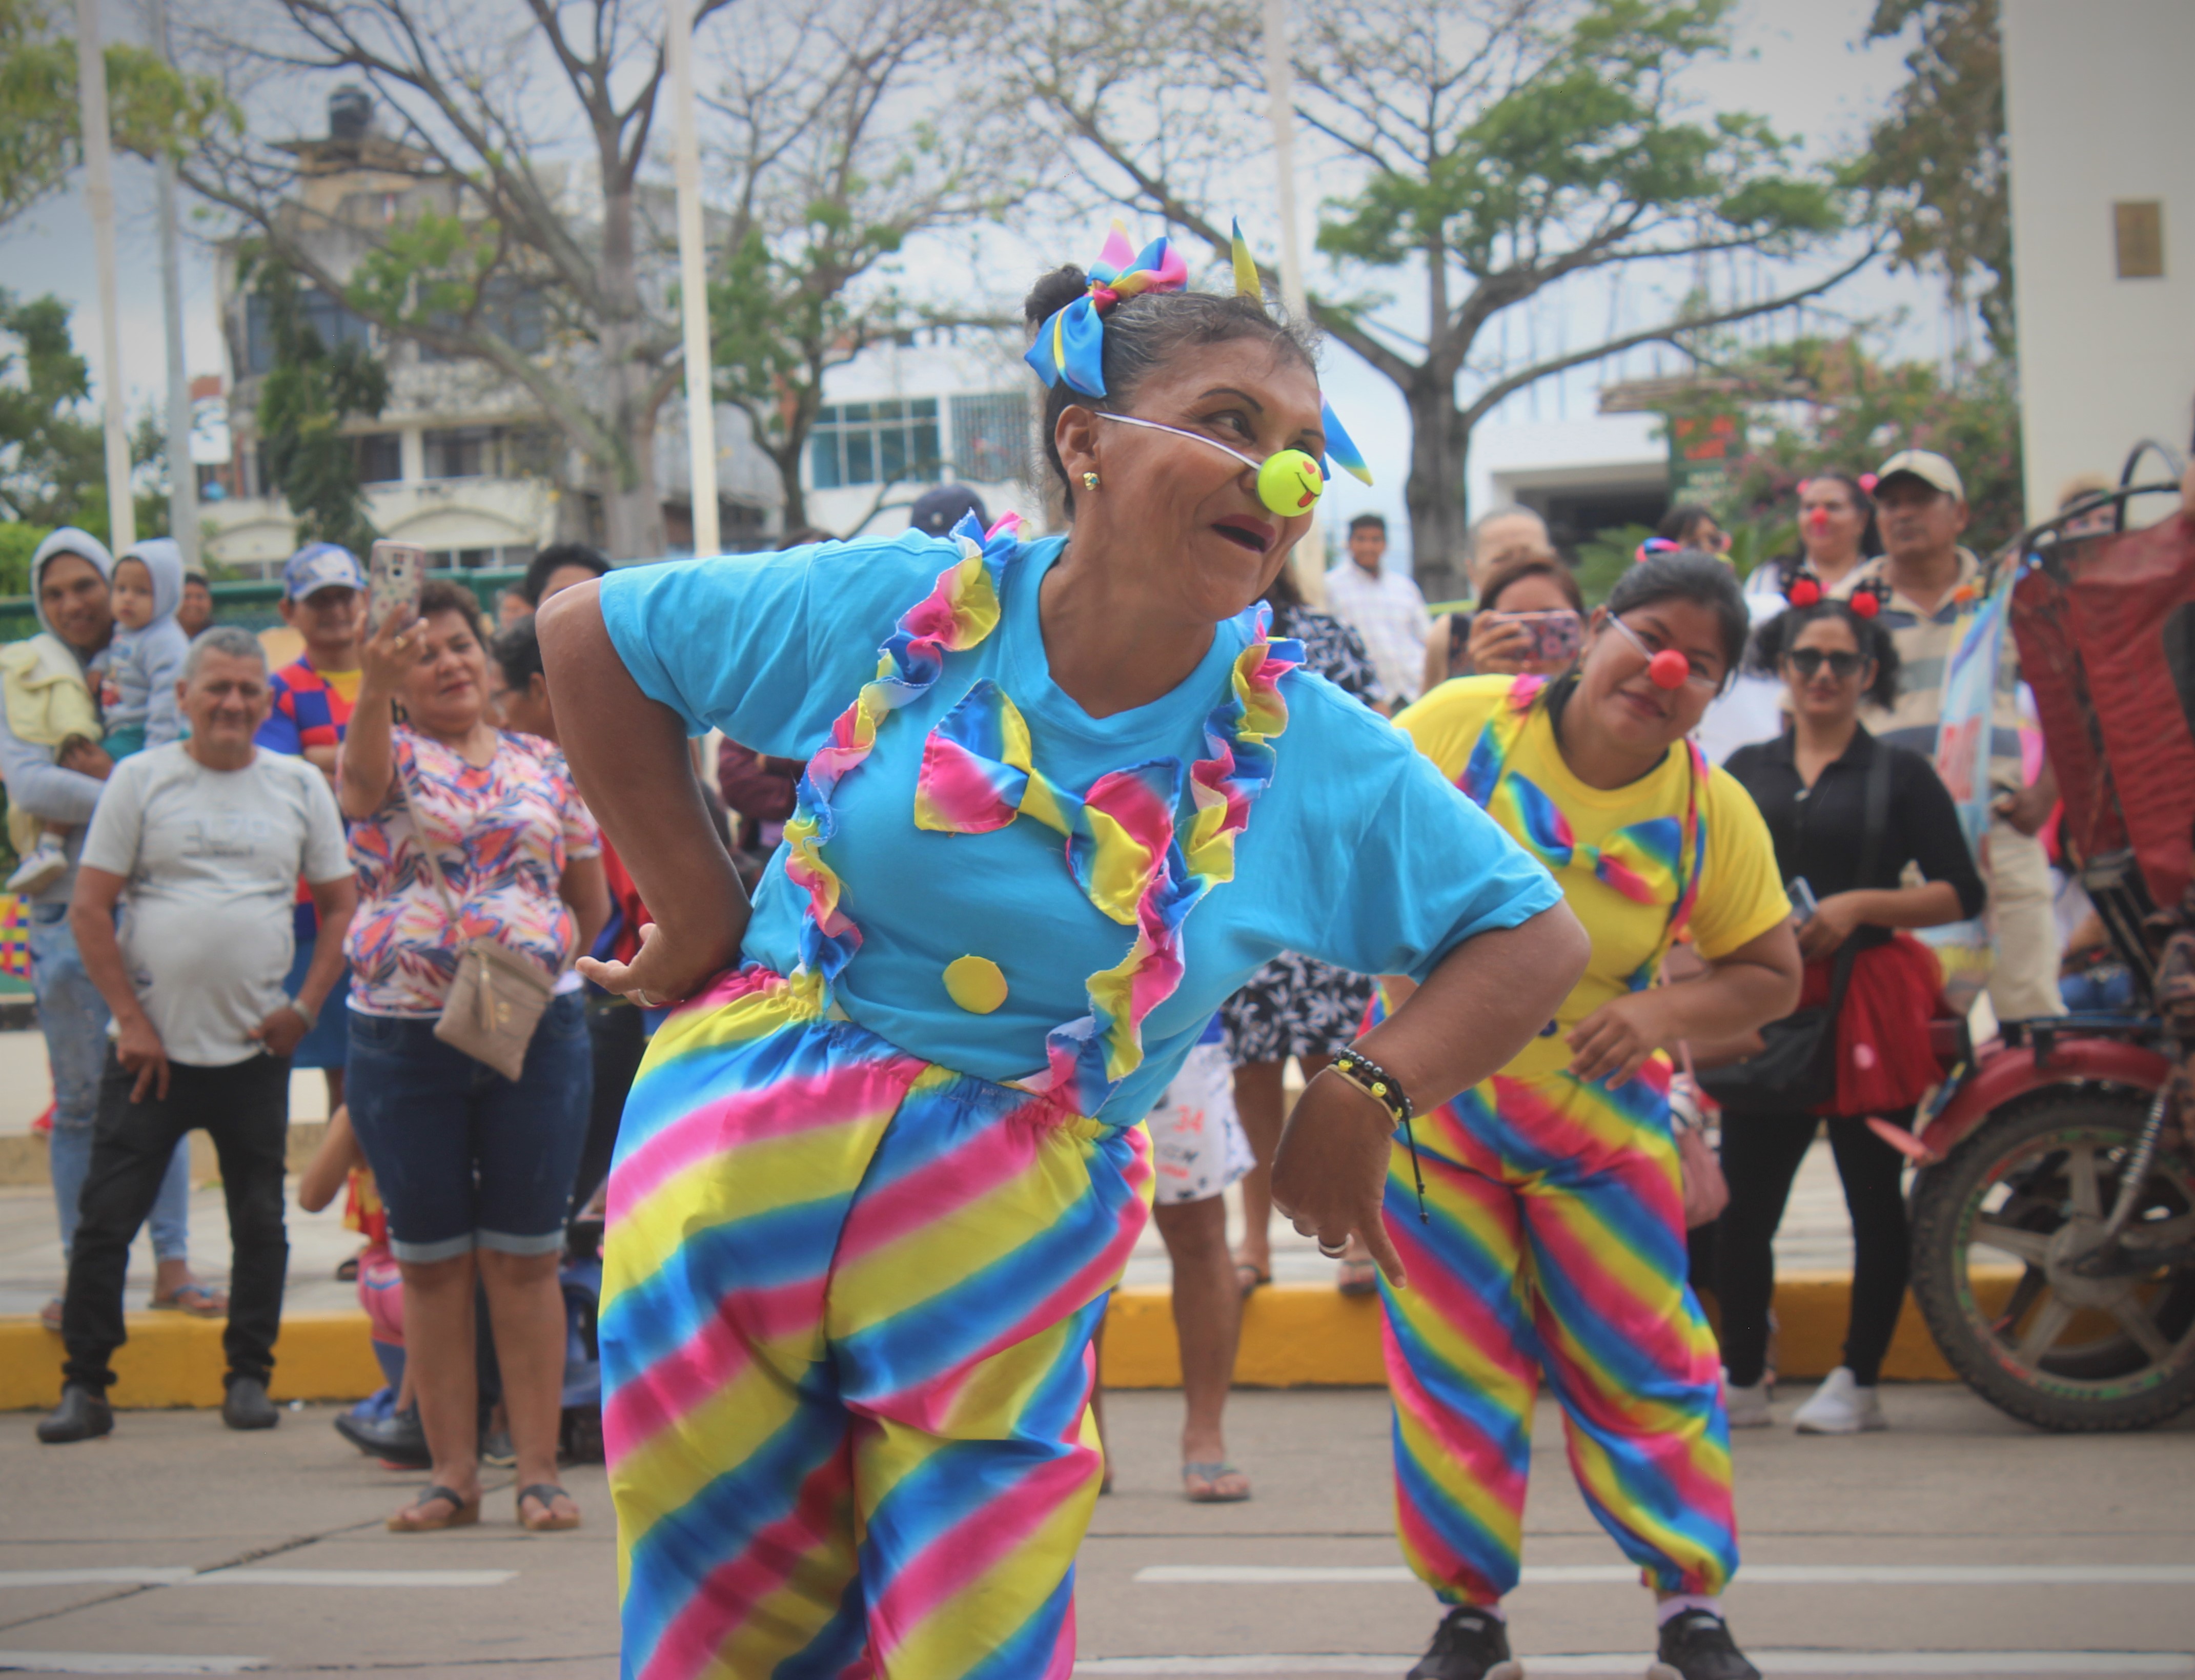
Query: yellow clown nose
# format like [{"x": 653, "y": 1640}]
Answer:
[{"x": 1290, "y": 483}]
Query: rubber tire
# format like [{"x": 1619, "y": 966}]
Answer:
[{"x": 1940, "y": 1195}]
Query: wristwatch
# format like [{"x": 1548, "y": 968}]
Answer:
[{"x": 310, "y": 1017}]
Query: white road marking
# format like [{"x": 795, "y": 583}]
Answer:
[
  {"x": 108, "y": 1662},
  {"x": 249, "y": 1575},
  {"x": 1756, "y": 1574},
  {"x": 1991, "y": 1664}
]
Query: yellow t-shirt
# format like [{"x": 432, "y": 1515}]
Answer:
[{"x": 1638, "y": 829}]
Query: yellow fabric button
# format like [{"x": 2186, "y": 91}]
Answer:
[{"x": 976, "y": 984}]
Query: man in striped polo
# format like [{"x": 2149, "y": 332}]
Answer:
[{"x": 1921, "y": 509}]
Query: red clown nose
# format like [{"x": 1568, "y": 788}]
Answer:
[{"x": 1669, "y": 669}]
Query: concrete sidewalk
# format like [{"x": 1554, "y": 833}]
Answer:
[{"x": 1957, "y": 1543}]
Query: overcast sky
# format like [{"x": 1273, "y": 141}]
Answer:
[{"x": 1800, "y": 65}]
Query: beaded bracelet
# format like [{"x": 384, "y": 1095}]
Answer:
[{"x": 1368, "y": 1076}]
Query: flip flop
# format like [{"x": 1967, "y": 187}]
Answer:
[
  {"x": 1249, "y": 1279},
  {"x": 1210, "y": 1472},
  {"x": 545, "y": 1494},
  {"x": 194, "y": 1298},
  {"x": 461, "y": 1515}
]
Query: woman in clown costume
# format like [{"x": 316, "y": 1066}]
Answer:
[
  {"x": 1556, "y": 1247},
  {"x": 880, "y": 1171}
]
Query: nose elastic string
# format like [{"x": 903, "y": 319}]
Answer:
[{"x": 1290, "y": 482}]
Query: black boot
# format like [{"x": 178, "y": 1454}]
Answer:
[
  {"x": 246, "y": 1407},
  {"x": 81, "y": 1416},
  {"x": 1469, "y": 1644},
  {"x": 1696, "y": 1645},
  {"x": 399, "y": 1440}
]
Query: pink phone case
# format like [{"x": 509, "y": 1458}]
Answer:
[
  {"x": 1555, "y": 635},
  {"x": 393, "y": 573}
]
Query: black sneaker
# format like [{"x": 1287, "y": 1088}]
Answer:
[
  {"x": 1469, "y": 1644},
  {"x": 1696, "y": 1645},
  {"x": 245, "y": 1406},
  {"x": 81, "y": 1416},
  {"x": 398, "y": 1440}
]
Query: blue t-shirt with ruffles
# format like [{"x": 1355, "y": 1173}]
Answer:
[{"x": 1356, "y": 851}]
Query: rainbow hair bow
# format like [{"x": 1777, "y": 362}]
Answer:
[{"x": 1071, "y": 344}]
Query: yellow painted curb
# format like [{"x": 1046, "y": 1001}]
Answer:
[
  {"x": 172, "y": 1360},
  {"x": 1302, "y": 1335},
  {"x": 1297, "y": 1335}
]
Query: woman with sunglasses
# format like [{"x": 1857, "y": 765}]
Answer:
[
  {"x": 1556, "y": 1247},
  {"x": 878, "y": 1177},
  {"x": 1811, "y": 784}
]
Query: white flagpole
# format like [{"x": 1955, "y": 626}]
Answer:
[
  {"x": 1308, "y": 556},
  {"x": 693, "y": 282},
  {"x": 182, "y": 476},
  {"x": 99, "y": 196}
]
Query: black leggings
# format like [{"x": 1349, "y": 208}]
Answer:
[{"x": 1759, "y": 1158}]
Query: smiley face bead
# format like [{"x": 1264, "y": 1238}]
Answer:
[{"x": 1290, "y": 483}]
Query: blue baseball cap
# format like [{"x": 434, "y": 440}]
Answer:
[{"x": 320, "y": 566}]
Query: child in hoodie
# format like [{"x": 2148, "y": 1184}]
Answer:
[
  {"x": 138, "y": 693},
  {"x": 136, "y": 685}
]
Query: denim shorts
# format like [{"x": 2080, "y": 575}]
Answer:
[{"x": 464, "y": 1158}]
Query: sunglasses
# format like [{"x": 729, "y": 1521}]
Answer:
[
  {"x": 1808, "y": 663},
  {"x": 1695, "y": 676}
]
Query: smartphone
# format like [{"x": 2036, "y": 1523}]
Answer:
[
  {"x": 1803, "y": 902},
  {"x": 1555, "y": 636},
  {"x": 393, "y": 573}
]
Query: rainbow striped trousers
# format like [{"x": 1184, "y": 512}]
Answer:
[
  {"x": 848, "y": 1302},
  {"x": 1556, "y": 1245}
]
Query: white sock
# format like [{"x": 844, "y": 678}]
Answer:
[
  {"x": 1493, "y": 1610},
  {"x": 1669, "y": 1608}
]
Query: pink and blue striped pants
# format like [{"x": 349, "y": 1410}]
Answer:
[{"x": 847, "y": 1314}]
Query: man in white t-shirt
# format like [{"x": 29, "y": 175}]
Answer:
[
  {"x": 202, "y": 842},
  {"x": 1383, "y": 606}
]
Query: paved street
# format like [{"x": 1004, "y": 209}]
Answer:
[{"x": 1958, "y": 1543}]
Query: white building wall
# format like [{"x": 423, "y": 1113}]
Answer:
[
  {"x": 2099, "y": 109},
  {"x": 972, "y": 366}
]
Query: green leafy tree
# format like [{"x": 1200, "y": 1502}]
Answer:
[
  {"x": 304, "y": 398},
  {"x": 150, "y": 107},
  {"x": 1939, "y": 157},
  {"x": 52, "y": 458},
  {"x": 848, "y": 132},
  {"x": 1816, "y": 404},
  {"x": 1480, "y": 153}
]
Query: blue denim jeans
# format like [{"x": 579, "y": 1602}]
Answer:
[
  {"x": 74, "y": 1016},
  {"x": 464, "y": 1158}
]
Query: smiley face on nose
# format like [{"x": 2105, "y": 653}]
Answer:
[{"x": 1290, "y": 483}]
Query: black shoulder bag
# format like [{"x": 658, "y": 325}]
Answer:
[{"x": 1795, "y": 1069}]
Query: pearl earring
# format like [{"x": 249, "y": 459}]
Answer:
[{"x": 1090, "y": 480}]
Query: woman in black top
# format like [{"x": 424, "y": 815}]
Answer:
[{"x": 1811, "y": 784}]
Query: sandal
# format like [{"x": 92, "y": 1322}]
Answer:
[
  {"x": 194, "y": 1298},
  {"x": 545, "y": 1494},
  {"x": 1249, "y": 1279},
  {"x": 1200, "y": 1483},
  {"x": 462, "y": 1515}
]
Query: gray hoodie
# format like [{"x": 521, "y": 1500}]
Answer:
[
  {"x": 35, "y": 783},
  {"x": 138, "y": 694}
]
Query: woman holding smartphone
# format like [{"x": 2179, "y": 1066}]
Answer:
[
  {"x": 1811, "y": 786},
  {"x": 1531, "y": 619}
]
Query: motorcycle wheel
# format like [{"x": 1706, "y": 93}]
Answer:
[{"x": 1997, "y": 1229}]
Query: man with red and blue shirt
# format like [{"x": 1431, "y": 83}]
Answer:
[{"x": 321, "y": 590}]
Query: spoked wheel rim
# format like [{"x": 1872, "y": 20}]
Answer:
[{"x": 2037, "y": 1215}]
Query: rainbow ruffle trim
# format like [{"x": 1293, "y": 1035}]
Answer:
[{"x": 978, "y": 774}]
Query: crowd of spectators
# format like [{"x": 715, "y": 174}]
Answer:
[{"x": 232, "y": 872}]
